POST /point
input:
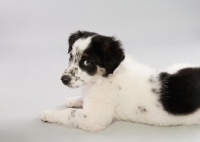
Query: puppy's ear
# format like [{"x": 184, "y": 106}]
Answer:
[
  {"x": 113, "y": 54},
  {"x": 73, "y": 37}
]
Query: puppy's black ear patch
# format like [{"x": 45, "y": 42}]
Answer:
[
  {"x": 113, "y": 54},
  {"x": 73, "y": 37}
]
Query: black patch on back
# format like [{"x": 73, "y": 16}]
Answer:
[
  {"x": 180, "y": 92},
  {"x": 106, "y": 52}
]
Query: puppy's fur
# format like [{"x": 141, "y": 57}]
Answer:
[{"x": 119, "y": 88}]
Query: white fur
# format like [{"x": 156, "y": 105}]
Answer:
[
  {"x": 124, "y": 95},
  {"x": 74, "y": 102},
  {"x": 81, "y": 44}
]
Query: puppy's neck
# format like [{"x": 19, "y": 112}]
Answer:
[{"x": 126, "y": 67}]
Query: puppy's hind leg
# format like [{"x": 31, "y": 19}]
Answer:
[{"x": 74, "y": 102}]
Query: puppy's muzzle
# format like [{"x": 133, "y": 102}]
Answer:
[{"x": 65, "y": 79}]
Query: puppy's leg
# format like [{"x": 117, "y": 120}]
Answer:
[
  {"x": 94, "y": 119},
  {"x": 74, "y": 102}
]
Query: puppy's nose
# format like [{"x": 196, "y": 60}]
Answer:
[{"x": 65, "y": 79}]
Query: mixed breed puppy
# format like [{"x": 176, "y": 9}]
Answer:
[{"x": 119, "y": 88}]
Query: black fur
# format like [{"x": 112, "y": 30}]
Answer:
[
  {"x": 106, "y": 52},
  {"x": 92, "y": 69},
  {"x": 113, "y": 54},
  {"x": 180, "y": 92},
  {"x": 73, "y": 113},
  {"x": 142, "y": 109}
]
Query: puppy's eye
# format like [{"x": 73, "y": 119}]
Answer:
[{"x": 87, "y": 62}]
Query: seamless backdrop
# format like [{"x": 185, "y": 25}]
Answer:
[{"x": 33, "y": 56}]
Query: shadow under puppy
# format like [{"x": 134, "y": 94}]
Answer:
[{"x": 119, "y": 88}]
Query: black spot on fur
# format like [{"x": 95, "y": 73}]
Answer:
[
  {"x": 119, "y": 88},
  {"x": 73, "y": 113},
  {"x": 72, "y": 72},
  {"x": 157, "y": 105},
  {"x": 70, "y": 57},
  {"x": 77, "y": 56},
  {"x": 152, "y": 79},
  {"x": 77, "y": 78},
  {"x": 85, "y": 116},
  {"x": 142, "y": 109},
  {"x": 155, "y": 91},
  {"x": 180, "y": 92}
]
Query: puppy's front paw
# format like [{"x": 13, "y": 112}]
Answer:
[
  {"x": 73, "y": 102},
  {"x": 69, "y": 103},
  {"x": 47, "y": 116}
]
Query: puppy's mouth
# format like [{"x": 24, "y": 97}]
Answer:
[{"x": 72, "y": 86}]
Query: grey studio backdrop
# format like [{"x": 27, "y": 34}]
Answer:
[{"x": 33, "y": 56}]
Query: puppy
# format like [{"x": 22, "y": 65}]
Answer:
[{"x": 119, "y": 88}]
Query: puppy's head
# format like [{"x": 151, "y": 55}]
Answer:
[{"x": 91, "y": 55}]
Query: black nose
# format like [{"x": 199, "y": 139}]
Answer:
[{"x": 65, "y": 79}]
